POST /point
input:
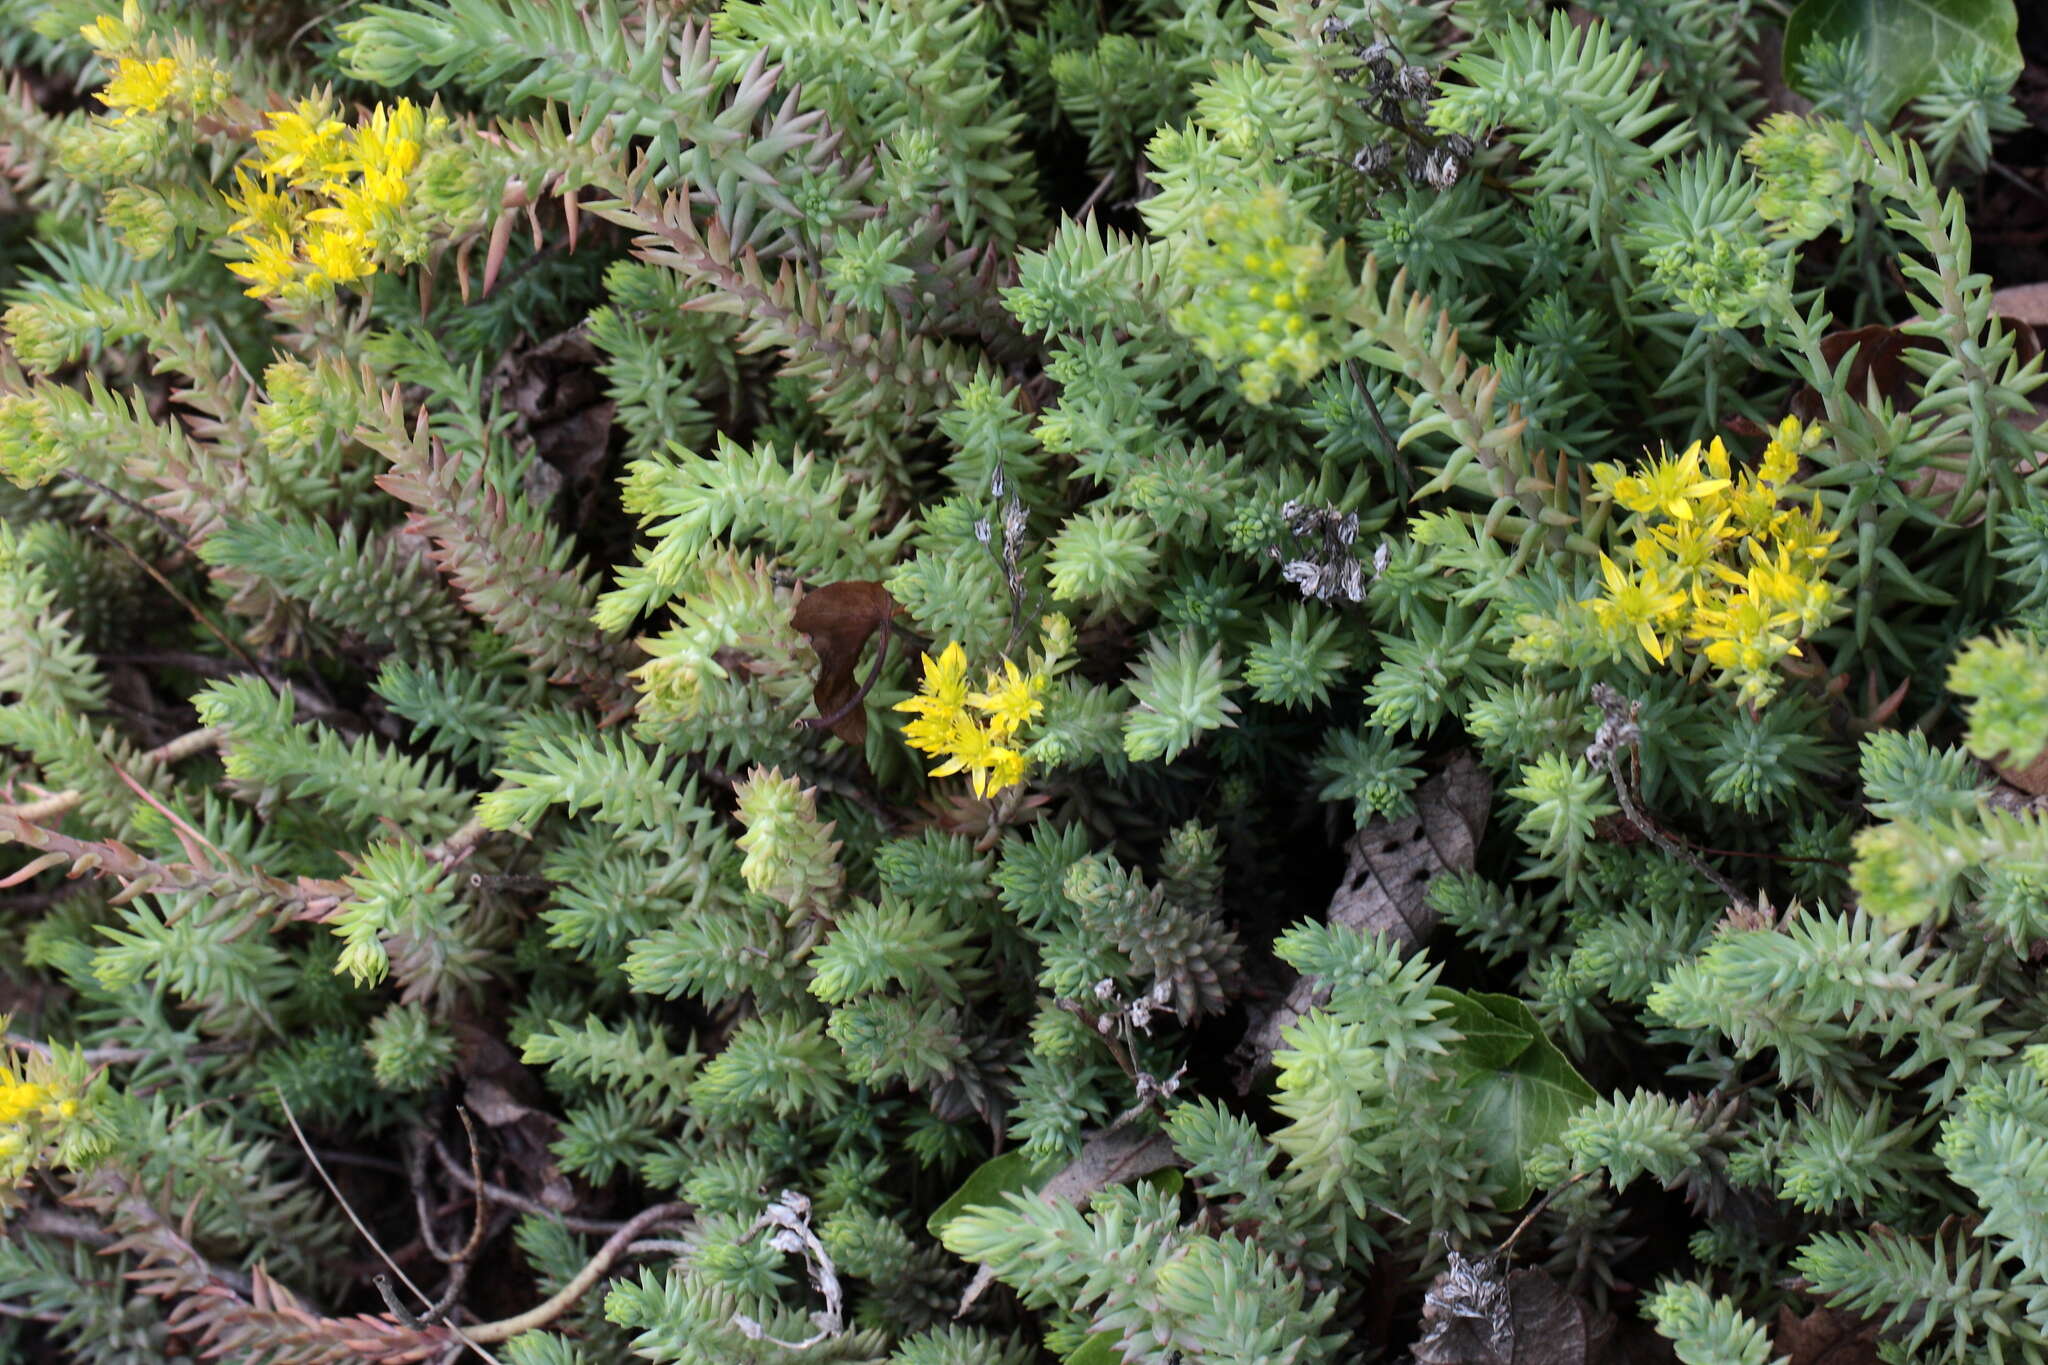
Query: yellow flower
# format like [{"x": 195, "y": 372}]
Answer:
[
  {"x": 1011, "y": 702},
  {"x": 353, "y": 212},
  {"x": 947, "y": 728},
  {"x": 1717, "y": 459},
  {"x": 388, "y": 142},
  {"x": 1688, "y": 547},
  {"x": 304, "y": 144},
  {"x": 1670, "y": 485},
  {"x": 139, "y": 84},
  {"x": 18, "y": 1099},
  {"x": 263, "y": 210},
  {"x": 106, "y": 33},
  {"x": 1637, "y": 604},
  {"x": 945, "y": 683},
  {"x": 1005, "y": 770},
  {"x": 1747, "y": 634},
  {"x": 336, "y": 258},
  {"x": 272, "y": 265},
  {"x": 1788, "y": 443}
]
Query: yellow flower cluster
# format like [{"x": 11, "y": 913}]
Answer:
[
  {"x": 327, "y": 201},
  {"x": 35, "y": 1116},
  {"x": 974, "y": 732},
  {"x": 143, "y": 84},
  {"x": 1717, "y": 565},
  {"x": 1253, "y": 286}
]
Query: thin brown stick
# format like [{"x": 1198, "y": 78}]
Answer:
[
  {"x": 123, "y": 1056},
  {"x": 1102, "y": 187},
  {"x": 1619, "y": 734},
  {"x": 512, "y": 1199},
  {"x": 61, "y": 803},
  {"x": 593, "y": 1270},
  {"x": 10, "y": 1310},
  {"x": 233, "y": 645},
  {"x": 1541, "y": 1205},
  {"x": 1395, "y": 459},
  {"x": 367, "y": 1235}
]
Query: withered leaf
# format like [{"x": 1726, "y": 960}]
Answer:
[
  {"x": 1825, "y": 1337},
  {"x": 1477, "y": 1316},
  {"x": 1106, "y": 1159},
  {"x": 556, "y": 390},
  {"x": 838, "y": 618},
  {"x": 2027, "y": 303},
  {"x": 1879, "y": 360},
  {"x": 2031, "y": 778},
  {"x": 1881, "y": 355},
  {"x": 499, "y": 1089},
  {"x": 1386, "y": 880}
]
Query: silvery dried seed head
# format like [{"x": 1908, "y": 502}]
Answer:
[
  {"x": 1373, "y": 159},
  {"x": 995, "y": 483},
  {"x": 1306, "y": 575},
  {"x": 981, "y": 530},
  {"x": 1441, "y": 169},
  {"x": 1381, "y": 557},
  {"x": 1412, "y": 82},
  {"x": 1347, "y": 529},
  {"x": 1105, "y": 988}
]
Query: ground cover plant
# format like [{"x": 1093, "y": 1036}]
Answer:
[{"x": 952, "y": 684}]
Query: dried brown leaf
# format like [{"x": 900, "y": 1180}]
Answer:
[
  {"x": 1386, "y": 882},
  {"x": 1825, "y": 1337},
  {"x": 1476, "y": 1316},
  {"x": 839, "y": 618},
  {"x": 558, "y": 393},
  {"x": 2026, "y": 303},
  {"x": 500, "y": 1090},
  {"x": 1108, "y": 1158},
  {"x": 1879, "y": 360}
]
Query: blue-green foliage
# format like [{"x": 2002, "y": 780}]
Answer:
[{"x": 1163, "y": 655}]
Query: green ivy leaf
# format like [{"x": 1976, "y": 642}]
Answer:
[
  {"x": 1492, "y": 1041},
  {"x": 1906, "y": 42},
  {"x": 1519, "y": 1089},
  {"x": 987, "y": 1184},
  {"x": 1099, "y": 1349}
]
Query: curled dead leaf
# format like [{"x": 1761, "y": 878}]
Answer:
[
  {"x": 1825, "y": 1337},
  {"x": 1880, "y": 370},
  {"x": 1476, "y": 1314},
  {"x": 1386, "y": 885},
  {"x": 838, "y": 618}
]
